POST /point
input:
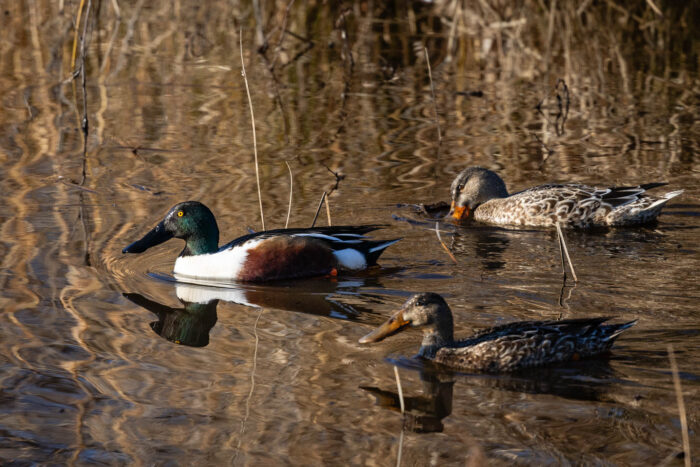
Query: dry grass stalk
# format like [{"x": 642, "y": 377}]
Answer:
[
  {"x": 328, "y": 211},
  {"x": 291, "y": 191},
  {"x": 398, "y": 456},
  {"x": 432, "y": 91},
  {"x": 437, "y": 232},
  {"x": 564, "y": 251},
  {"x": 75, "y": 35},
  {"x": 399, "y": 389},
  {"x": 681, "y": 405},
  {"x": 252, "y": 119}
]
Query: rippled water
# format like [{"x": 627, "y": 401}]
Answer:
[{"x": 106, "y": 359}]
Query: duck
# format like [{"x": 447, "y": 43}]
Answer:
[
  {"x": 481, "y": 194},
  {"x": 261, "y": 256},
  {"x": 506, "y": 348}
]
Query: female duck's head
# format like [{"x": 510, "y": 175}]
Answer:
[
  {"x": 472, "y": 187},
  {"x": 192, "y": 221},
  {"x": 426, "y": 310}
]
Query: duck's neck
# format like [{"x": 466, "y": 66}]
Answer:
[
  {"x": 436, "y": 338},
  {"x": 201, "y": 244}
]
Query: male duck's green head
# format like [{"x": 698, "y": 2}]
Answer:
[{"x": 191, "y": 221}]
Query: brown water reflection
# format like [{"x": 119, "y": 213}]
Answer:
[{"x": 85, "y": 379}]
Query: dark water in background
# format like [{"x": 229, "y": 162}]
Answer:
[{"x": 90, "y": 371}]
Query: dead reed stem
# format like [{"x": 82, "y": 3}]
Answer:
[
  {"x": 681, "y": 405},
  {"x": 318, "y": 209},
  {"x": 398, "y": 456},
  {"x": 252, "y": 120},
  {"x": 432, "y": 91},
  {"x": 75, "y": 35},
  {"x": 328, "y": 211},
  {"x": 562, "y": 247},
  {"x": 437, "y": 232},
  {"x": 117, "y": 10},
  {"x": 399, "y": 389},
  {"x": 291, "y": 191}
]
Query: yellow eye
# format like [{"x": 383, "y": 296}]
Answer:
[{"x": 180, "y": 213}]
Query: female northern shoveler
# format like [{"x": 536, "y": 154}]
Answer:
[
  {"x": 482, "y": 192},
  {"x": 260, "y": 256},
  {"x": 514, "y": 346}
]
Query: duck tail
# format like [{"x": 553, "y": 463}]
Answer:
[
  {"x": 651, "y": 186},
  {"x": 617, "y": 329},
  {"x": 666, "y": 198},
  {"x": 374, "y": 249}
]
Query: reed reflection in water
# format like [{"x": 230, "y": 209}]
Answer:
[{"x": 343, "y": 87}]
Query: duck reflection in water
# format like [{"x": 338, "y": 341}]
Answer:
[
  {"x": 191, "y": 323},
  {"x": 585, "y": 380},
  {"x": 188, "y": 325},
  {"x": 488, "y": 243},
  {"x": 424, "y": 413}
]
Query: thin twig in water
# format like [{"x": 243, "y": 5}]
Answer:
[
  {"x": 563, "y": 104},
  {"x": 283, "y": 30},
  {"x": 398, "y": 456},
  {"x": 549, "y": 150},
  {"x": 561, "y": 254},
  {"x": 681, "y": 405},
  {"x": 437, "y": 232},
  {"x": 252, "y": 119},
  {"x": 338, "y": 178},
  {"x": 432, "y": 91},
  {"x": 318, "y": 209},
  {"x": 562, "y": 244},
  {"x": 398, "y": 389},
  {"x": 562, "y": 300},
  {"x": 291, "y": 187},
  {"x": 85, "y": 127},
  {"x": 84, "y": 123},
  {"x": 252, "y": 385}
]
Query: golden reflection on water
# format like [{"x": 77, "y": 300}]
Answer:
[{"x": 281, "y": 378}]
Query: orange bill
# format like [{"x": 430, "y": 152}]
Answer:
[
  {"x": 459, "y": 212},
  {"x": 393, "y": 325}
]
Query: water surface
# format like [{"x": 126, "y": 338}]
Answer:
[{"x": 105, "y": 359}]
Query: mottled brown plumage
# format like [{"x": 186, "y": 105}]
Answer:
[
  {"x": 481, "y": 192},
  {"x": 511, "y": 347}
]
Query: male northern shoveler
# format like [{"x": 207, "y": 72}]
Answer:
[
  {"x": 482, "y": 192},
  {"x": 260, "y": 256},
  {"x": 511, "y": 347}
]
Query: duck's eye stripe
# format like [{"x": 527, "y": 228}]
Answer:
[{"x": 180, "y": 213}]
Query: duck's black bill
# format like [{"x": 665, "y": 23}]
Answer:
[{"x": 155, "y": 237}]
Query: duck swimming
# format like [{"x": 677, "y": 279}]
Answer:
[
  {"x": 510, "y": 347},
  {"x": 261, "y": 256},
  {"x": 483, "y": 193}
]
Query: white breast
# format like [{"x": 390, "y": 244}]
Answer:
[{"x": 226, "y": 264}]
